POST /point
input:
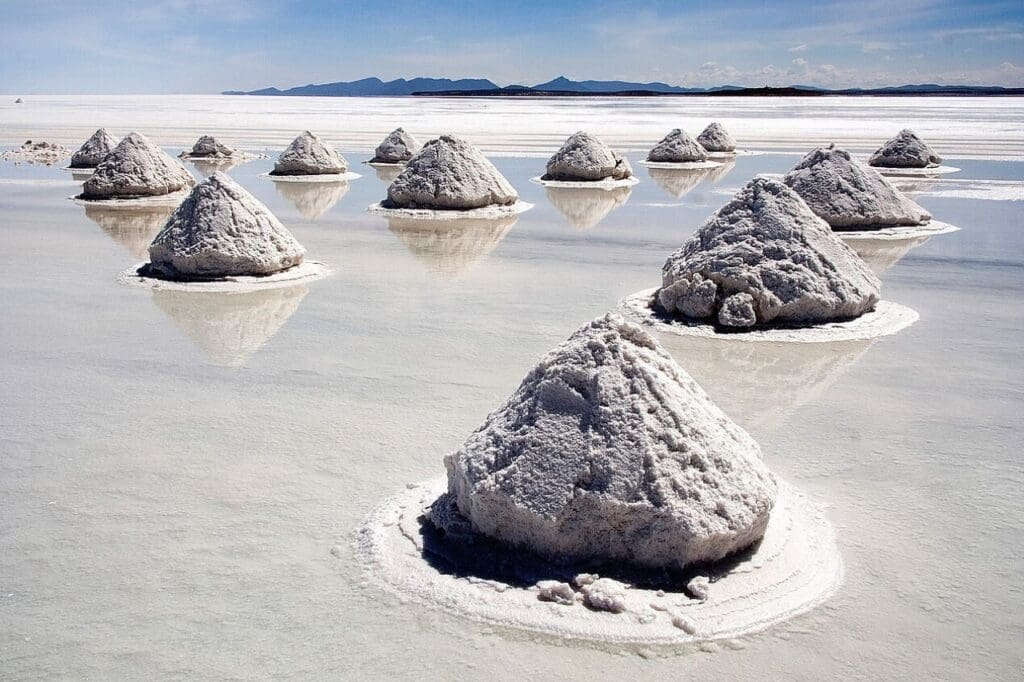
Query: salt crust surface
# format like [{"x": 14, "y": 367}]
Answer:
[
  {"x": 679, "y": 165},
  {"x": 605, "y": 183},
  {"x": 916, "y": 172},
  {"x": 322, "y": 177},
  {"x": 307, "y": 271},
  {"x": 485, "y": 212},
  {"x": 795, "y": 568},
  {"x": 887, "y": 318}
]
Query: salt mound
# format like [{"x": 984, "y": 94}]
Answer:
[
  {"x": 309, "y": 155},
  {"x": 906, "y": 150},
  {"x": 207, "y": 146},
  {"x": 715, "y": 138},
  {"x": 449, "y": 173},
  {"x": 765, "y": 258},
  {"x": 677, "y": 147},
  {"x": 136, "y": 168},
  {"x": 585, "y": 208},
  {"x": 609, "y": 451},
  {"x": 397, "y": 147},
  {"x": 849, "y": 195},
  {"x": 95, "y": 148},
  {"x": 585, "y": 157},
  {"x": 40, "y": 152},
  {"x": 219, "y": 231}
]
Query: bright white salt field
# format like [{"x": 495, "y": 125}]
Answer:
[{"x": 180, "y": 477}]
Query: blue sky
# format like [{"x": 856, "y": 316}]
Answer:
[{"x": 198, "y": 46}]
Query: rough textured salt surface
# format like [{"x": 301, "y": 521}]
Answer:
[
  {"x": 605, "y": 594},
  {"x": 677, "y": 147},
  {"x": 207, "y": 146},
  {"x": 43, "y": 153},
  {"x": 609, "y": 451},
  {"x": 221, "y": 230},
  {"x": 136, "y": 168},
  {"x": 584, "y": 157},
  {"x": 309, "y": 155},
  {"x": 449, "y": 173},
  {"x": 699, "y": 587},
  {"x": 556, "y": 591},
  {"x": 906, "y": 150},
  {"x": 767, "y": 244},
  {"x": 397, "y": 147},
  {"x": 95, "y": 148},
  {"x": 849, "y": 195},
  {"x": 715, "y": 138}
]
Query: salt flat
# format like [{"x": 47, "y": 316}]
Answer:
[{"x": 180, "y": 479}]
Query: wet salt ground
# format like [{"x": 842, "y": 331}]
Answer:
[{"x": 179, "y": 500}]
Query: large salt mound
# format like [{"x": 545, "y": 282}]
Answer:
[
  {"x": 906, "y": 150},
  {"x": 765, "y": 258},
  {"x": 609, "y": 451},
  {"x": 849, "y": 195},
  {"x": 397, "y": 147},
  {"x": 449, "y": 173},
  {"x": 715, "y": 138},
  {"x": 584, "y": 157},
  {"x": 309, "y": 155},
  {"x": 208, "y": 146},
  {"x": 95, "y": 148},
  {"x": 677, "y": 147},
  {"x": 219, "y": 231},
  {"x": 136, "y": 168}
]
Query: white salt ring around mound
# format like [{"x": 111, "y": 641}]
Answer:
[
  {"x": 237, "y": 156},
  {"x": 172, "y": 199},
  {"x": 483, "y": 213},
  {"x": 306, "y": 271},
  {"x": 796, "y": 567},
  {"x": 383, "y": 164},
  {"x": 79, "y": 171},
  {"x": 323, "y": 177},
  {"x": 914, "y": 172},
  {"x": 679, "y": 165},
  {"x": 605, "y": 183},
  {"x": 734, "y": 153},
  {"x": 887, "y": 318},
  {"x": 899, "y": 232}
]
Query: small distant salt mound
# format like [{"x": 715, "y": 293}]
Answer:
[
  {"x": 715, "y": 138},
  {"x": 397, "y": 147},
  {"x": 609, "y": 451},
  {"x": 584, "y": 157},
  {"x": 19, "y": 101},
  {"x": 95, "y": 148},
  {"x": 850, "y": 196},
  {"x": 43, "y": 153},
  {"x": 677, "y": 147},
  {"x": 219, "y": 231},
  {"x": 136, "y": 168},
  {"x": 208, "y": 147},
  {"x": 585, "y": 208},
  {"x": 309, "y": 155},
  {"x": 765, "y": 258},
  {"x": 906, "y": 150},
  {"x": 449, "y": 173}
]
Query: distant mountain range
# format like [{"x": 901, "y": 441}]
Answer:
[{"x": 565, "y": 87}]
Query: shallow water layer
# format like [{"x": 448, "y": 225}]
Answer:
[{"x": 180, "y": 477}]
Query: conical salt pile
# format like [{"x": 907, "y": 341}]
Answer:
[
  {"x": 906, "y": 150},
  {"x": 449, "y": 173},
  {"x": 208, "y": 146},
  {"x": 765, "y": 258},
  {"x": 397, "y": 147},
  {"x": 715, "y": 138},
  {"x": 136, "y": 168},
  {"x": 95, "y": 148},
  {"x": 584, "y": 157},
  {"x": 309, "y": 155},
  {"x": 609, "y": 451},
  {"x": 221, "y": 230},
  {"x": 677, "y": 147},
  {"x": 849, "y": 195}
]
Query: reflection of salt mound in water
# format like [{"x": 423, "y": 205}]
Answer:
[
  {"x": 762, "y": 384},
  {"x": 388, "y": 173},
  {"x": 584, "y": 208},
  {"x": 716, "y": 174},
  {"x": 608, "y": 451},
  {"x": 132, "y": 228},
  {"x": 451, "y": 248},
  {"x": 676, "y": 183},
  {"x": 230, "y": 327},
  {"x": 882, "y": 254},
  {"x": 312, "y": 199},
  {"x": 208, "y": 167}
]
